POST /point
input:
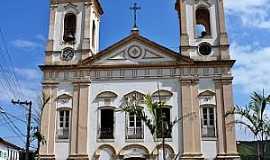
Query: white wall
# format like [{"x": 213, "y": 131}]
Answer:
[
  {"x": 3, "y": 149},
  {"x": 13, "y": 153},
  {"x": 209, "y": 149},
  {"x": 61, "y": 150},
  {"x": 122, "y": 88}
]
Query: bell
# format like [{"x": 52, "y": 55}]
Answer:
[{"x": 69, "y": 37}]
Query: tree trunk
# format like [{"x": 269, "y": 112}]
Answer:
[
  {"x": 258, "y": 150},
  {"x": 38, "y": 148}
]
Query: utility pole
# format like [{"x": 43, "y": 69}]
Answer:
[{"x": 27, "y": 145}]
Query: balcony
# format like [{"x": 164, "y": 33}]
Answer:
[
  {"x": 208, "y": 131},
  {"x": 106, "y": 133},
  {"x": 63, "y": 133},
  {"x": 135, "y": 133}
]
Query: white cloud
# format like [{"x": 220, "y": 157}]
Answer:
[
  {"x": 25, "y": 44},
  {"x": 40, "y": 37},
  {"x": 254, "y": 13},
  {"x": 252, "y": 70}
]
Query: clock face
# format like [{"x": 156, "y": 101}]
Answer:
[
  {"x": 68, "y": 54},
  {"x": 205, "y": 49}
]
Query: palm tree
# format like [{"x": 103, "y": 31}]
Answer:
[
  {"x": 154, "y": 116},
  {"x": 253, "y": 118}
]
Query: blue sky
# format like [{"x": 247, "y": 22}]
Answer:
[{"x": 25, "y": 25}]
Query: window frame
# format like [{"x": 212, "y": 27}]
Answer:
[
  {"x": 65, "y": 122},
  {"x": 208, "y": 125},
  {"x": 99, "y": 138},
  {"x": 170, "y": 118},
  {"x": 127, "y": 126}
]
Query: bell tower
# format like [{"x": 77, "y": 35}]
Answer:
[
  {"x": 202, "y": 29},
  {"x": 73, "y": 31}
]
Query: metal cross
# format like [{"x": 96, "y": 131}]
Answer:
[{"x": 135, "y": 8}]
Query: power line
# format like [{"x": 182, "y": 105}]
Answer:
[
  {"x": 10, "y": 67},
  {"x": 13, "y": 125},
  {"x": 14, "y": 130}
]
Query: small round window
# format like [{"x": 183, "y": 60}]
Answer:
[{"x": 205, "y": 49}]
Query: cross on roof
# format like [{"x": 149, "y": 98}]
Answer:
[{"x": 135, "y": 8}]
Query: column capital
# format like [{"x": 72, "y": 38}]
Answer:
[
  {"x": 49, "y": 84},
  {"x": 223, "y": 80},
  {"x": 82, "y": 83},
  {"x": 189, "y": 80}
]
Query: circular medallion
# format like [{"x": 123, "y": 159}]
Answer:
[
  {"x": 68, "y": 54},
  {"x": 205, "y": 49},
  {"x": 134, "y": 51}
]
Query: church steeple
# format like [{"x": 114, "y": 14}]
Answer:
[
  {"x": 202, "y": 29},
  {"x": 73, "y": 31}
]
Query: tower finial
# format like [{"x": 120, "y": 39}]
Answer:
[{"x": 135, "y": 8}]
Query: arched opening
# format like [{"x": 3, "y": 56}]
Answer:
[
  {"x": 69, "y": 27},
  {"x": 94, "y": 34},
  {"x": 105, "y": 152},
  {"x": 134, "y": 152},
  {"x": 202, "y": 27}
]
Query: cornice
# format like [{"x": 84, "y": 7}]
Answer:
[
  {"x": 96, "y": 2},
  {"x": 196, "y": 64}
]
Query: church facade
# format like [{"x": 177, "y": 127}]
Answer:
[{"x": 87, "y": 86}]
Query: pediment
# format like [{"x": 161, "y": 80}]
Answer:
[
  {"x": 136, "y": 50},
  {"x": 207, "y": 93}
]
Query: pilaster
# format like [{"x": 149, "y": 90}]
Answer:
[
  {"x": 222, "y": 25},
  {"x": 50, "y": 43},
  {"x": 87, "y": 25},
  {"x": 191, "y": 121},
  {"x": 226, "y": 130},
  {"x": 48, "y": 123},
  {"x": 79, "y": 141}
]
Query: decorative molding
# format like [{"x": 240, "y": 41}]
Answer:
[
  {"x": 135, "y": 51},
  {"x": 57, "y": 76},
  {"x": 71, "y": 8},
  {"x": 204, "y": 3}
]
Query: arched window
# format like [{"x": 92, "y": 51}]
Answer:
[
  {"x": 106, "y": 114},
  {"x": 162, "y": 95},
  {"x": 203, "y": 26},
  {"x": 69, "y": 27},
  {"x": 106, "y": 98},
  {"x": 134, "y": 96},
  {"x": 64, "y": 108},
  {"x": 94, "y": 34}
]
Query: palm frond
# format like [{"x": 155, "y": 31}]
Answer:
[{"x": 250, "y": 127}]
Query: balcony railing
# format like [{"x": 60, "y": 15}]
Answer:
[
  {"x": 63, "y": 133},
  {"x": 135, "y": 133},
  {"x": 208, "y": 131},
  {"x": 106, "y": 133}
]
